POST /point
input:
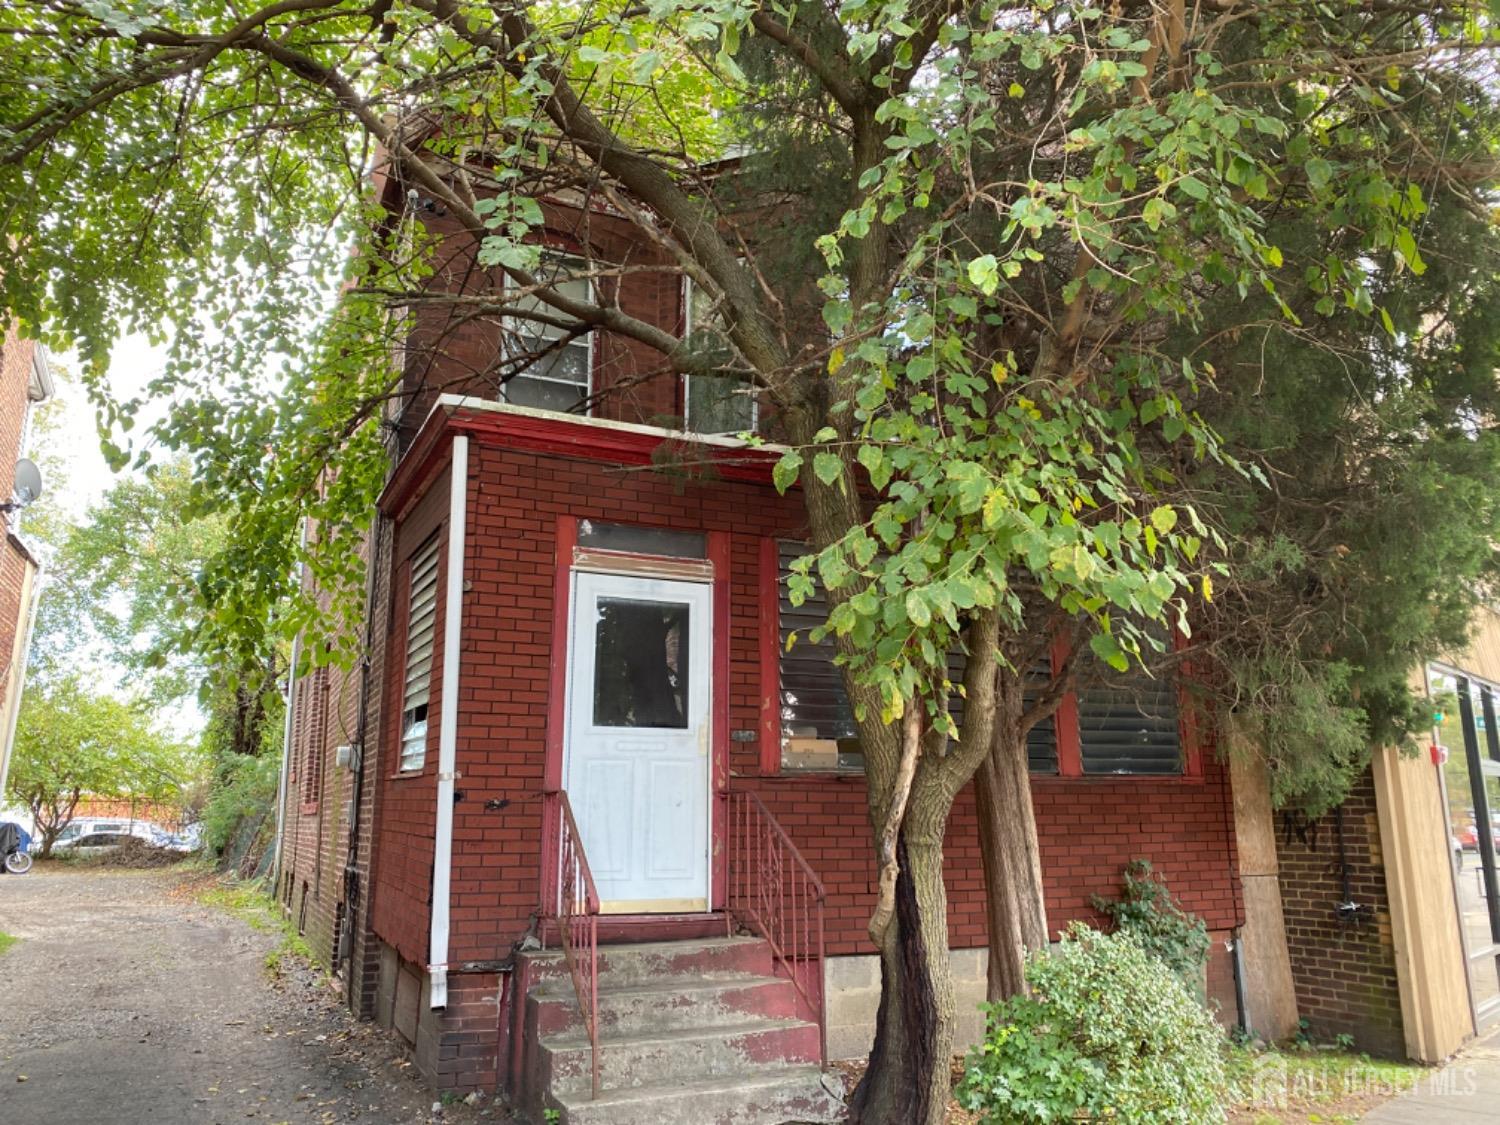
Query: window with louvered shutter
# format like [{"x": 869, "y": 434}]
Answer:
[
  {"x": 421, "y": 624},
  {"x": 814, "y": 705},
  {"x": 1130, "y": 726}
]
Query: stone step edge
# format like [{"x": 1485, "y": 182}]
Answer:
[
  {"x": 749, "y": 1080},
  {"x": 696, "y": 982},
  {"x": 571, "y": 1040}
]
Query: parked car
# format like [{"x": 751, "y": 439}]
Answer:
[
  {"x": 1468, "y": 837},
  {"x": 187, "y": 840},
  {"x": 94, "y": 842}
]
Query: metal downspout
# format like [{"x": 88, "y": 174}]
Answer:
[{"x": 442, "y": 859}]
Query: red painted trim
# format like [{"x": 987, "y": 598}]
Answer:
[
  {"x": 719, "y": 555},
  {"x": 770, "y": 659},
  {"x": 617, "y": 929},
  {"x": 1065, "y": 721},
  {"x": 423, "y": 461},
  {"x": 560, "y": 435},
  {"x": 1187, "y": 716},
  {"x": 557, "y": 686},
  {"x": 1070, "y": 744},
  {"x": 571, "y": 437}
]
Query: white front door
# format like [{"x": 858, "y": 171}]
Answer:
[{"x": 637, "y": 755}]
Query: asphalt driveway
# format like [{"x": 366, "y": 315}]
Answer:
[{"x": 126, "y": 1001}]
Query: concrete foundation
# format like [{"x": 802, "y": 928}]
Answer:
[{"x": 852, "y": 990}]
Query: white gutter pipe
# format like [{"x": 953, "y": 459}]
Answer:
[{"x": 442, "y": 857}]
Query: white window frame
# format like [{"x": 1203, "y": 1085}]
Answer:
[
  {"x": 517, "y": 326},
  {"x": 412, "y": 754},
  {"x": 687, "y": 398}
]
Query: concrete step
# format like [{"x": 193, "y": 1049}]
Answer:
[
  {"x": 765, "y": 1096},
  {"x": 645, "y": 962},
  {"x": 677, "y": 1055},
  {"x": 663, "y": 1005}
]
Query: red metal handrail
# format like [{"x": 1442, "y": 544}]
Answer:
[
  {"x": 572, "y": 902},
  {"x": 775, "y": 892}
]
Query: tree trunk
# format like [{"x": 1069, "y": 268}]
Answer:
[
  {"x": 907, "y": 1080},
  {"x": 1015, "y": 909}
]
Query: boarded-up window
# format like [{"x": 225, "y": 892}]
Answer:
[
  {"x": 817, "y": 721},
  {"x": 1130, "y": 726},
  {"x": 421, "y": 623}
]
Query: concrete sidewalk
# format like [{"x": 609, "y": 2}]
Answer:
[{"x": 1465, "y": 1092}]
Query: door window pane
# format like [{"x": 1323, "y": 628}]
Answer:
[{"x": 641, "y": 664}]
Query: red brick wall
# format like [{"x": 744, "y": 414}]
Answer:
[
  {"x": 363, "y": 969},
  {"x": 452, "y": 352},
  {"x": 16, "y": 359},
  {"x": 162, "y": 815},
  {"x": 407, "y": 804},
  {"x": 1089, "y": 829},
  {"x": 1345, "y": 974},
  {"x": 315, "y": 810}
]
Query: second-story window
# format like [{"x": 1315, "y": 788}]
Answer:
[
  {"x": 559, "y": 371},
  {"x": 713, "y": 404}
]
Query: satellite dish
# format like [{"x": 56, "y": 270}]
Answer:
[{"x": 28, "y": 481}]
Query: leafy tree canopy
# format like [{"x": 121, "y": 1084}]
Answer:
[
  {"x": 72, "y": 742},
  {"x": 1032, "y": 288}
]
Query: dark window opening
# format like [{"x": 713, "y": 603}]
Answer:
[
  {"x": 600, "y": 536},
  {"x": 817, "y": 721},
  {"x": 641, "y": 664}
]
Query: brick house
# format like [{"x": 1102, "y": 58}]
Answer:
[
  {"x": 25, "y": 382},
  {"x": 611, "y": 579}
]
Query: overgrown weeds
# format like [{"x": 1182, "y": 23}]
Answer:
[
  {"x": 248, "y": 901},
  {"x": 1307, "y": 1081}
]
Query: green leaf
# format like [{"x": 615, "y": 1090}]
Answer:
[
  {"x": 784, "y": 472},
  {"x": 1192, "y": 187},
  {"x": 1107, "y": 649},
  {"x": 917, "y": 610},
  {"x": 827, "y": 466},
  {"x": 984, "y": 273},
  {"x": 1164, "y": 518},
  {"x": 877, "y": 464}
]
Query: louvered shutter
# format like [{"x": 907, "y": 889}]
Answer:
[
  {"x": 813, "y": 700},
  {"x": 1130, "y": 727},
  {"x": 1041, "y": 740},
  {"x": 420, "y": 627}
]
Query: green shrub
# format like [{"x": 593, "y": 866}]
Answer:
[
  {"x": 1107, "y": 1034},
  {"x": 1147, "y": 912},
  {"x": 245, "y": 789}
]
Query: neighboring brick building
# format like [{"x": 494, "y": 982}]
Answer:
[
  {"x": 1339, "y": 933},
  {"x": 25, "y": 381},
  {"x": 622, "y": 626}
]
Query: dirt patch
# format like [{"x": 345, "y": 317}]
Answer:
[
  {"x": 852, "y": 1071},
  {"x": 124, "y": 997}
]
